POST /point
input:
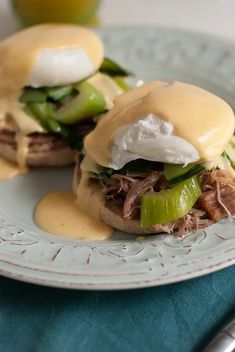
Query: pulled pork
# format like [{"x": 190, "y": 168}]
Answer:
[
  {"x": 195, "y": 219},
  {"x": 38, "y": 142},
  {"x": 218, "y": 198},
  {"x": 127, "y": 189},
  {"x": 137, "y": 189},
  {"x": 216, "y": 202}
]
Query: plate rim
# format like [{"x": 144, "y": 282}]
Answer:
[
  {"x": 114, "y": 287},
  {"x": 217, "y": 38}
]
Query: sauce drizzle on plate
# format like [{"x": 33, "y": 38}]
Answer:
[{"x": 58, "y": 213}]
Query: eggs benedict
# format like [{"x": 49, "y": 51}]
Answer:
[
  {"x": 161, "y": 160},
  {"x": 53, "y": 81}
]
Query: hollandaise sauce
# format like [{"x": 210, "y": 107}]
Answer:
[
  {"x": 25, "y": 46},
  {"x": 59, "y": 213},
  {"x": 198, "y": 116},
  {"x": 22, "y": 149},
  {"x": 9, "y": 170}
]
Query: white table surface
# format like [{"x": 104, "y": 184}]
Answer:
[{"x": 209, "y": 16}]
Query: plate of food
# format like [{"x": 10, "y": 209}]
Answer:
[{"x": 117, "y": 162}]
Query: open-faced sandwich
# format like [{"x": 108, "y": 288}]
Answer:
[
  {"x": 160, "y": 161},
  {"x": 53, "y": 81}
]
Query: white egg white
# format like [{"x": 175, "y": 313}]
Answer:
[
  {"x": 56, "y": 67},
  {"x": 151, "y": 138}
]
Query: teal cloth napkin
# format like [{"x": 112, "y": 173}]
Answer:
[{"x": 176, "y": 318}]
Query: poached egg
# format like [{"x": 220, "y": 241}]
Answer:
[
  {"x": 44, "y": 55},
  {"x": 153, "y": 139},
  {"x": 55, "y": 67},
  {"x": 175, "y": 123},
  {"x": 49, "y": 55}
]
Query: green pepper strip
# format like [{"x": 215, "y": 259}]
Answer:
[
  {"x": 89, "y": 102},
  {"x": 41, "y": 113},
  {"x": 59, "y": 93},
  {"x": 121, "y": 83},
  {"x": 176, "y": 173},
  {"x": 32, "y": 95},
  {"x": 113, "y": 69},
  {"x": 169, "y": 205}
]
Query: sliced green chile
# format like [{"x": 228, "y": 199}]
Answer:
[
  {"x": 230, "y": 152},
  {"x": 31, "y": 95},
  {"x": 169, "y": 205},
  {"x": 176, "y": 173},
  {"x": 89, "y": 102},
  {"x": 112, "y": 68},
  {"x": 59, "y": 93},
  {"x": 41, "y": 111},
  {"x": 121, "y": 83}
]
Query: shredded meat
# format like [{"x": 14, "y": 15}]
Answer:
[
  {"x": 83, "y": 127},
  {"x": 136, "y": 190},
  {"x": 35, "y": 138},
  {"x": 128, "y": 188},
  {"x": 209, "y": 179},
  {"x": 216, "y": 202},
  {"x": 218, "y": 198},
  {"x": 117, "y": 185},
  {"x": 195, "y": 219},
  {"x": 39, "y": 142},
  {"x": 124, "y": 182}
]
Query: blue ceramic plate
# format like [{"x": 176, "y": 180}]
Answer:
[{"x": 29, "y": 254}]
